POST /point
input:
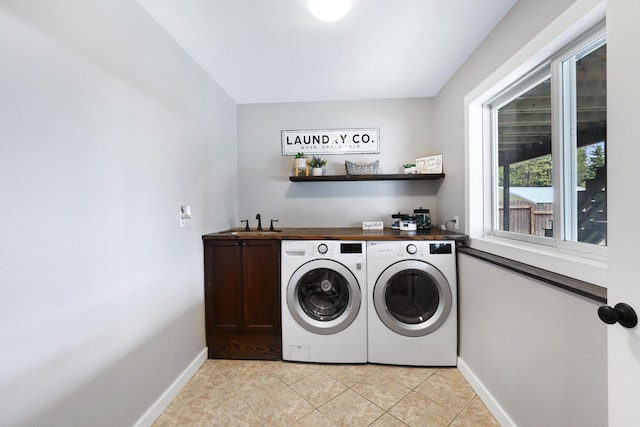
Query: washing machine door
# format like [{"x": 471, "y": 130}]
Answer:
[
  {"x": 323, "y": 296},
  {"x": 412, "y": 298}
]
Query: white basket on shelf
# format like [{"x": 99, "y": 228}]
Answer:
[{"x": 362, "y": 168}]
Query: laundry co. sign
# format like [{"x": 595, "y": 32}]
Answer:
[{"x": 331, "y": 141}]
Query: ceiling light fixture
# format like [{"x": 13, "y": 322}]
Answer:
[{"x": 329, "y": 10}]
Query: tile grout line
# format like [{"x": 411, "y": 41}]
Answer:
[
  {"x": 227, "y": 371},
  {"x": 411, "y": 390}
]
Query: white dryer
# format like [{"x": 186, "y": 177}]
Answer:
[
  {"x": 324, "y": 313},
  {"x": 412, "y": 303}
]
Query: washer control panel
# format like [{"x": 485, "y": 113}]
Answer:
[
  {"x": 351, "y": 248},
  {"x": 311, "y": 249}
]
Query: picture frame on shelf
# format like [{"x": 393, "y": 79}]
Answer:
[{"x": 429, "y": 164}]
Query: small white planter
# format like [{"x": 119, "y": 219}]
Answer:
[
  {"x": 317, "y": 171},
  {"x": 411, "y": 170}
]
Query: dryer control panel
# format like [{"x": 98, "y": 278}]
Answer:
[{"x": 443, "y": 250}]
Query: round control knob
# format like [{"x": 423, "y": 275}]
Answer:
[
  {"x": 322, "y": 248},
  {"x": 412, "y": 249}
]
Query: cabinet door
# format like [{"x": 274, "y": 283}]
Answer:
[
  {"x": 261, "y": 285},
  {"x": 223, "y": 285}
]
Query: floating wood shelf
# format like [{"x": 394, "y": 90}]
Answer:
[{"x": 379, "y": 177}]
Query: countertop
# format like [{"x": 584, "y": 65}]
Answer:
[{"x": 335, "y": 233}]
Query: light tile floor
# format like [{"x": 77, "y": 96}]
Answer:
[{"x": 263, "y": 393}]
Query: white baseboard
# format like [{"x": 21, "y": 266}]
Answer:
[
  {"x": 487, "y": 398},
  {"x": 172, "y": 391}
]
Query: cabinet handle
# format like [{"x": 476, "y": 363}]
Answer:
[
  {"x": 244, "y": 243},
  {"x": 237, "y": 244}
]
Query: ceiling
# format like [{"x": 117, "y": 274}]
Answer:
[{"x": 275, "y": 51}]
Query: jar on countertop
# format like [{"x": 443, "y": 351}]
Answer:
[
  {"x": 396, "y": 219},
  {"x": 423, "y": 218}
]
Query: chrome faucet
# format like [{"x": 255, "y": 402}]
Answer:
[{"x": 259, "y": 222}]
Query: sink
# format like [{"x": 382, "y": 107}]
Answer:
[{"x": 252, "y": 232}]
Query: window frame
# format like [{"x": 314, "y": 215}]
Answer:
[
  {"x": 584, "y": 17},
  {"x": 523, "y": 85},
  {"x": 563, "y": 141},
  {"x": 591, "y": 40}
]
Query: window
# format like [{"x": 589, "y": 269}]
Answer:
[
  {"x": 548, "y": 151},
  {"x": 584, "y": 141}
]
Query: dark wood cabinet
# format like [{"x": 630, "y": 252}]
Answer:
[{"x": 242, "y": 299}]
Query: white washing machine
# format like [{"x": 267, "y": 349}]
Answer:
[
  {"x": 412, "y": 303},
  {"x": 324, "y": 312}
]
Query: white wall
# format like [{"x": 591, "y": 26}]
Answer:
[
  {"x": 405, "y": 133},
  {"x": 539, "y": 352},
  {"x": 106, "y": 128},
  {"x": 526, "y": 19}
]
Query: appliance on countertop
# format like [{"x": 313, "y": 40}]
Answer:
[
  {"x": 412, "y": 303},
  {"x": 324, "y": 310}
]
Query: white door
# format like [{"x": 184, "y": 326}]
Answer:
[{"x": 623, "y": 176}]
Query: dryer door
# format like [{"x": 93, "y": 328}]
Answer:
[
  {"x": 323, "y": 296},
  {"x": 412, "y": 298}
]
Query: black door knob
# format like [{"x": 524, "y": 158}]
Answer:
[{"x": 621, "y": 313}]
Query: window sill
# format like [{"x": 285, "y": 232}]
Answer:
[
  {"x": 587, "y": 268},
  {"x": 585, "y": 289}
]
